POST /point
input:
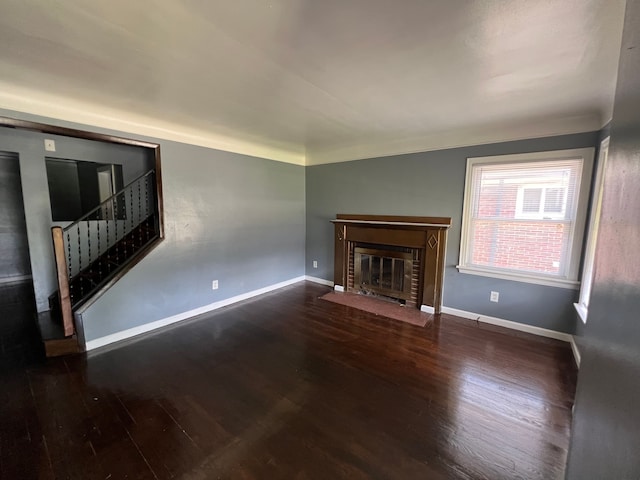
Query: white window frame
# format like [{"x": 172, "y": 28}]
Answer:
[
  {"x": 588, "y": 263},
  {"x": 570, "y": 280}
]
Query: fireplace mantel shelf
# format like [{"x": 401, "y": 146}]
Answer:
[{"x": 377, "y": 222}]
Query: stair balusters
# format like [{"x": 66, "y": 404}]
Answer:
[{"x": 127, "y": 230}]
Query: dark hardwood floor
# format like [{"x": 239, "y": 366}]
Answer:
[{"x": 289, "y": 386}]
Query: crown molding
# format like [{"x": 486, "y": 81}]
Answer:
[
  {"x": 41, "y": 104},
  {"x": 456, "y": 138},
  {"x": 94, "y": 115}
]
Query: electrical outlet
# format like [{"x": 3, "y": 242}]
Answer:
[
  {"x": 495, "y": 296},
  {"x": 49, "y": 145},
  {"x": 315, "y": 264},
  {"x": 214, "y": 285}
]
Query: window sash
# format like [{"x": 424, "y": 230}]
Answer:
[{"x": 512, "y": 255}]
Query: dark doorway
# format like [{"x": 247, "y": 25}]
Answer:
[
  {"x": 18, "y": 333},
  {"x": 14, "y": 248}
]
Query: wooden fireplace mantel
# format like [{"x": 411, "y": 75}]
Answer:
[{"x": 429, "y": 234}]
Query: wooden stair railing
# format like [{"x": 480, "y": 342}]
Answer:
[{"x": 64, "y": 296}]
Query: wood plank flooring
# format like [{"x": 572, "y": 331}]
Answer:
[{"x": 290, "y": 386}]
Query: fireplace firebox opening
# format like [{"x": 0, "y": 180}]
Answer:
[{"x": 382, "y": 271}]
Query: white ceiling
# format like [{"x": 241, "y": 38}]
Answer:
[{"x": 310, "y": 81}]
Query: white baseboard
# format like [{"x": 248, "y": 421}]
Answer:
[
  {"x": 576, "y": 351},
  {"x": 427, "y": 309},
  {"x": 543, "y": 332},
  {"x": 148, "y": 327},
  {"x": 16, "y": 279},
  {"x": 321, "y": 281}
]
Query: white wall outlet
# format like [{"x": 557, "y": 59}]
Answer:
[
  {"x": 495, "y": 296},
  {"x": 49, "y": 145},
  {"x": 315, "y": 264},
  {"x": 214, "y": 285}
]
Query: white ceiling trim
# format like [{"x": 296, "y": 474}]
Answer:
[
  {"x": 39, "y": 103},
  {"x": 70, "y": 110},
  {"x": 467, "y": 137}
]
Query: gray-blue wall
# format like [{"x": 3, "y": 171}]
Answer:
[
  {"x": 228, "y": 217},
  {"x": 432, "y": 184},
  {"x": 605, "y": 438},
  {"x": 241, "y": 220}
]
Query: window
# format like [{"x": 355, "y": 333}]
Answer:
[
  {"x": 582, "y": 306},
  {"x": 524, "y": 216}
]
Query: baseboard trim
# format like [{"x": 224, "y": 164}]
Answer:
[
  {"x": 576, "y": 351},
  {"x": 148, "y": 327},
  {"x": 543, "y": 332},
  {"x": 427, "y": 309},
  {"x": 321, "y": 281},
  {"x": 16, "y": 279}
]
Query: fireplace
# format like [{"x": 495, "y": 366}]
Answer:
[{"x": 401, "y": 258}]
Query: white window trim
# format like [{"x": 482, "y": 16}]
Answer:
[
  {"x": 582, "y": 307},
  {"x": 521, "y": 277},
  {"x": 577, "y": 233}
]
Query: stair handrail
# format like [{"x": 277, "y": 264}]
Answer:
[{"x": 102, "y": 204}]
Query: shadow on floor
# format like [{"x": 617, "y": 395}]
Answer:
[{"x": 19, "y": 339}]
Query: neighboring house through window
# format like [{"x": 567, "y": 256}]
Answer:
[
  {"x": 542, "y": 201},
  {"x": 524, "y": 216}
]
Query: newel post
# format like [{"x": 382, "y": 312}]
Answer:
[{"x": 63, "y": 281}]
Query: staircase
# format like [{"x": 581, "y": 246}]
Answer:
[{"x": 94, "y": 252}]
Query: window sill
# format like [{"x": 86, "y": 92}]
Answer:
[
  {"x": 582, "y": 311},
  {"x": 521, "y": 277}
]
